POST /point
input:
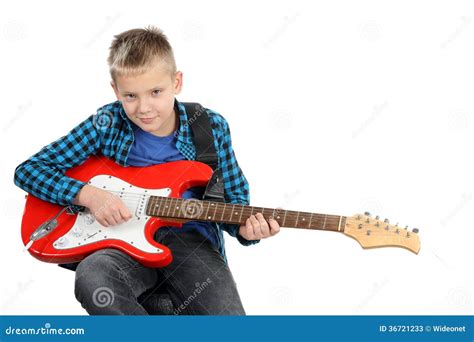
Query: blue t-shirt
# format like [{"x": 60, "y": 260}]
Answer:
[{"x": 149, "y": 149}]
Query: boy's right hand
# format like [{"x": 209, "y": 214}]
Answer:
[{"x": 108, "y": 209}]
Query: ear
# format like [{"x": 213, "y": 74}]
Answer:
[
  {"x": 114, "y": 87},
  {"x": 178, "y": 82}
]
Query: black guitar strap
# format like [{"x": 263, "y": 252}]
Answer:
[{"x": 205, "y": 151}]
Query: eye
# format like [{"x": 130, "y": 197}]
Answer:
[
  {"x": 156, "y": 92},
  {"x": 129, "y": 96}
]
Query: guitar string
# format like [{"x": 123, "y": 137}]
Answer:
[{"x": 134, "y": 199}]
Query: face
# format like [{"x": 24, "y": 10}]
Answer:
[{"x": 148, "y": 99}]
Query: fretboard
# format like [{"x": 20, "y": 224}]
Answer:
[{"x": 192, "y": 209}]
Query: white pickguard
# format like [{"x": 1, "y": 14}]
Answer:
[{"x": 87, "y": 230}]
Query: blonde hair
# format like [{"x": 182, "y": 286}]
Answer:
[{"x": 134, "y": 51}]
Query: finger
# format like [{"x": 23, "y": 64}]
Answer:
[
  {"x": 248, "y": 230},
  {"x": 117, "y": 217},
  {"x": 110, "y": 220},
  {"x": 125, "y": 213},
  {"x": 263, "y": 225},
  {"x": 274, "y": 226},
  {"x": 102, "y": 221},
  {"x": 257, "y": 231}
]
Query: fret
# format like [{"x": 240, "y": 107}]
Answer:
[
  {"x": 216, "y": 206},
  {"x": 258, "y": 211},
  {"x": 208, "y": 207},
  {"x": 343, "y": 222},
  {"x": 223, "y": 211},
  {"x": 265, "y": 215},
  {"x": 304, "y": 219},
  {"x": 158, "y": 205},
  {"x": 172, "y": 208},
  {"x": 241, "y": 212},
  {"x": 284, "y": 219},
  {"x": 176, "y": 207},
  {"x": 149, "y": 205},
  {"x": 161, "y": 207},
  {"x": 212, "y": 217},
  {"x": 167, "y": 206},
  {"x": 233, "y": 213}
]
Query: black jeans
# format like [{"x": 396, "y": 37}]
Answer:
[{"x": 197, "y": 282}]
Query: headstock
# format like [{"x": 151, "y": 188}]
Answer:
[{"x": 372, "y": 232}]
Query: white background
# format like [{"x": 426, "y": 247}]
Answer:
[{"x": 335, "y": 107}]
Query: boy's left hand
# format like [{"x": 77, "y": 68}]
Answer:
[{"x": 256, "y": 228}]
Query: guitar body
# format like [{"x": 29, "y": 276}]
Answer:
[{"x": 75, "y": 236}]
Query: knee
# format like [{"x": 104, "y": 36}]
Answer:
[{"x": 94, "y": 272}]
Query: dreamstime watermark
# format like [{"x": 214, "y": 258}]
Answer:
[
  {"x": 103, "y": 119},
  {"x": 460, "y": 297},
  {"x": 282, "y": 296},
  {"x": 198, "y": 111},
  {"x": 465, "y": 199},
  {"x": 378, "y": 109},
  {"x": 287, "y": 21},
  {"x": 20, "y": 288},
  {"x": 109, "y": 20},
  {"x": 192, "y": 208},
  {"x": 193, "y": 30},
  {"x": 14, "y": 31},
  {"x": 280, "y": 120},
  {"x": 21, "y": 110},
  {"x": 459, "y": 120},
  {"x": 465, "y": 21},
  {"x": 370, "y": 30},
  {"x": 376, "y": 288},
  {"x": 103, "y": 296},
  {"x": 46, "y": 330},
  {"x": 200, "y": 287},
  {"x": 371, "y": 205}
]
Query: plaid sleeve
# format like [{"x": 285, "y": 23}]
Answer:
[
  {"x": 42, "y": 175},
  {"x": 236, "y": 187}
]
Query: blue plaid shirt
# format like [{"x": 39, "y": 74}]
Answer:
[{"x": 109, "y": 132}]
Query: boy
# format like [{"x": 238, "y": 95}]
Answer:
[{"x": 146, "y": 126}]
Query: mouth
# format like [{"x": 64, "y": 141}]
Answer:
[{"x": 147, "y": 120}]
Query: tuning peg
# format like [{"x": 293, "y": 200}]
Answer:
[
  {"x": 368, "y": 232},
  {"x": 360, "y": 225},
  {"x": 377, "y": 217},
  {"x": 368, "y": 220},
  {"x": 367, "y": 213},
  {"x": 406, "y": 227},
  {"x": 415, "y": 230},
  {"x": 386, "y": 220}
]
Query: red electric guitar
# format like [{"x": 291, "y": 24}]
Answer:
[{"x": 153, "y": 195}]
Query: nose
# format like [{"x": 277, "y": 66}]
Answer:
[{"x": 144, "y": 107}]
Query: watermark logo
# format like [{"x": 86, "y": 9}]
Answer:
[
  {"x": 103, "y": 296},
  {"x": 192, "y": 208},
  {"x": 103, "y": 119}
]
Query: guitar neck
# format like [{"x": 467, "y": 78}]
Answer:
[{"x": 191, "y": 209}]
